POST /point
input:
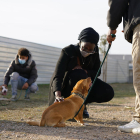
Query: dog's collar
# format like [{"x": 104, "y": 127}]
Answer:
[{"x": 79, "y": 95}]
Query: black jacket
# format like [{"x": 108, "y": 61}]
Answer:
[
  {"x": 27, "y": 70},
  {"x": 129, "y": 10},
  {"x": 67, "y": 61}
]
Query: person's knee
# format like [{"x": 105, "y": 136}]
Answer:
[
  {"x": 33, "y": 88},
  {"x": 110, "y": 93},
  {"x": 14, "y": 76}
]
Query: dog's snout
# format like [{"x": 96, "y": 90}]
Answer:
[{"x": 89, "y": 78}]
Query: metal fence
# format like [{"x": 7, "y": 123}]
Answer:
[
  {"x": 117, "y": 71},
  {"x": 46, "y": 58}
]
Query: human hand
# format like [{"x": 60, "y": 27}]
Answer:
[
  {"x": 25, "y": 86},
  {"x": 58, "y": 97},
  {"x": 109, "y": 37},
  {"x": 77, "y": 67}
]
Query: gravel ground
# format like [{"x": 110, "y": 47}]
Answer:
[{"x": 103, "y": 122}]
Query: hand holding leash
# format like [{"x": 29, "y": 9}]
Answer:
[
  {"x": 111, "y": 36},
  {"x": 25, "y": 86}
]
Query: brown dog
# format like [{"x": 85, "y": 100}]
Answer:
[{"x": 56, "y": 114}]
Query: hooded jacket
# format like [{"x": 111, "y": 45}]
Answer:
[
  {"x": 66, "y": 62},
  {"x": 27, "y": 70},
  {"x": 129, "y": 10}
]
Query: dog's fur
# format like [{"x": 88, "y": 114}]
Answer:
[
  {"x": 3, "y": 91},
  {"x": 56, "y": 114}
]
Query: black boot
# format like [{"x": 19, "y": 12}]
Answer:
[{"x": 85, "y": 113}]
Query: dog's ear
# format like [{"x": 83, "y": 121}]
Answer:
[
  {"x": 77, "y": 87},
  {"x": 81, "y": 86},
  {"x": 84, "y": 90}
]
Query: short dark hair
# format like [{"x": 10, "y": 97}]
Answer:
[{"x": 23, "y": 52}]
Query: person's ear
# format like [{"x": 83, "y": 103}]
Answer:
[{"x": 27, "y": 57}]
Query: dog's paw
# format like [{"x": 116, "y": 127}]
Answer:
[{"x": 86, "y": 124}]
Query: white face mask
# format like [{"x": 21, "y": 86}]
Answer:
[{"x": 84, "y": 53}]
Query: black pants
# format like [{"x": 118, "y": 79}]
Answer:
[{"x": 101, "y": 91}]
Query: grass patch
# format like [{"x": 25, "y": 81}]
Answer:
[
  {"x": 22, "y": 110},
  {"x": 123, "y": 90}
]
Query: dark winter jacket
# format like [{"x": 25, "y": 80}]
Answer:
[
  {"x": 27, "y": 70},
  {"x": 129, "y": 10},
  {"x": 67, "y": 61}
]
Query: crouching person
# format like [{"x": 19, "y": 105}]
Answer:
[{"x": 22, "y": 73}]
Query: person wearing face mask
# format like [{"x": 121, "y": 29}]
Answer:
[
  {"x": 78, "y": 62},
  {"x": 23, "y": 74}
]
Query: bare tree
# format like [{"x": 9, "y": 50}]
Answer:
[{"x": 103, "y": 49}]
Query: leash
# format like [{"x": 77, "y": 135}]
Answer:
[
  {"x": 20, "y": 95},
  {"x": 109, "y": 46}
]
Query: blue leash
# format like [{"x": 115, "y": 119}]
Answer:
[{"x": 21, "y": 94}]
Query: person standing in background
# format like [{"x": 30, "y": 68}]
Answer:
[{"x": 129, "y": 10}]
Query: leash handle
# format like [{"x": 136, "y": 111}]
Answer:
[
  {"x": 109, "y": 46},
  {"x": 113, "y": 35}
]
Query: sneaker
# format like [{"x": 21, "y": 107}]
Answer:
[
  {"x": 129, "y": 127},
  {"x": 13, "y": 98},
  {"x": 27, "y": 98},
  {"x": 27, "y": 95},
  {"x": 85, "y": 113},
  {"x": 136, "y": 130}
]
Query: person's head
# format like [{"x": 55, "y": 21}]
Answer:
[
  {"x": 23, "y": 55},
  {"x": 88, "y": 41}
]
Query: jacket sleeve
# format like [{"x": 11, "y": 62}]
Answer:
[
  {"x": 116, "y": 12},
  {"x": 33, "y": 74},
  {"x": 93, "y": 72},
  {"x": 9, "y": 71},
  {"x": 60, "y": 71}
]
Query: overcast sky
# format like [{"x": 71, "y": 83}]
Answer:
[{"x": 57, "y": 22}]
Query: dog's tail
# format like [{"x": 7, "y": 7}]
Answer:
[
  {"x": 42, "y": 123},
  {"x": 33, "y": 123}
]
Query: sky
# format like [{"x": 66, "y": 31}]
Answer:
[{"x": 57, "y": 22}]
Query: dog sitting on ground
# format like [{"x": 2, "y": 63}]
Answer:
[
  {"x": 56, "y": 114},
  {"x": 3, "y": 92}
]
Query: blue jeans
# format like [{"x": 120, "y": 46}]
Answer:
[{"x": 18, "y": 81}]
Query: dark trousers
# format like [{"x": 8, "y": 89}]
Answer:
[{"x": 101, "y": 91}]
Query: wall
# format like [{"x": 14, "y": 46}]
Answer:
[
  {"x": 44, "y": 56},
  {"x": 47, "y": 56}
]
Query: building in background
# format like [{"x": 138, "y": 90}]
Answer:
[
  {"x": 44, "y": 56},
  {"x": 119, "y": 67}
]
